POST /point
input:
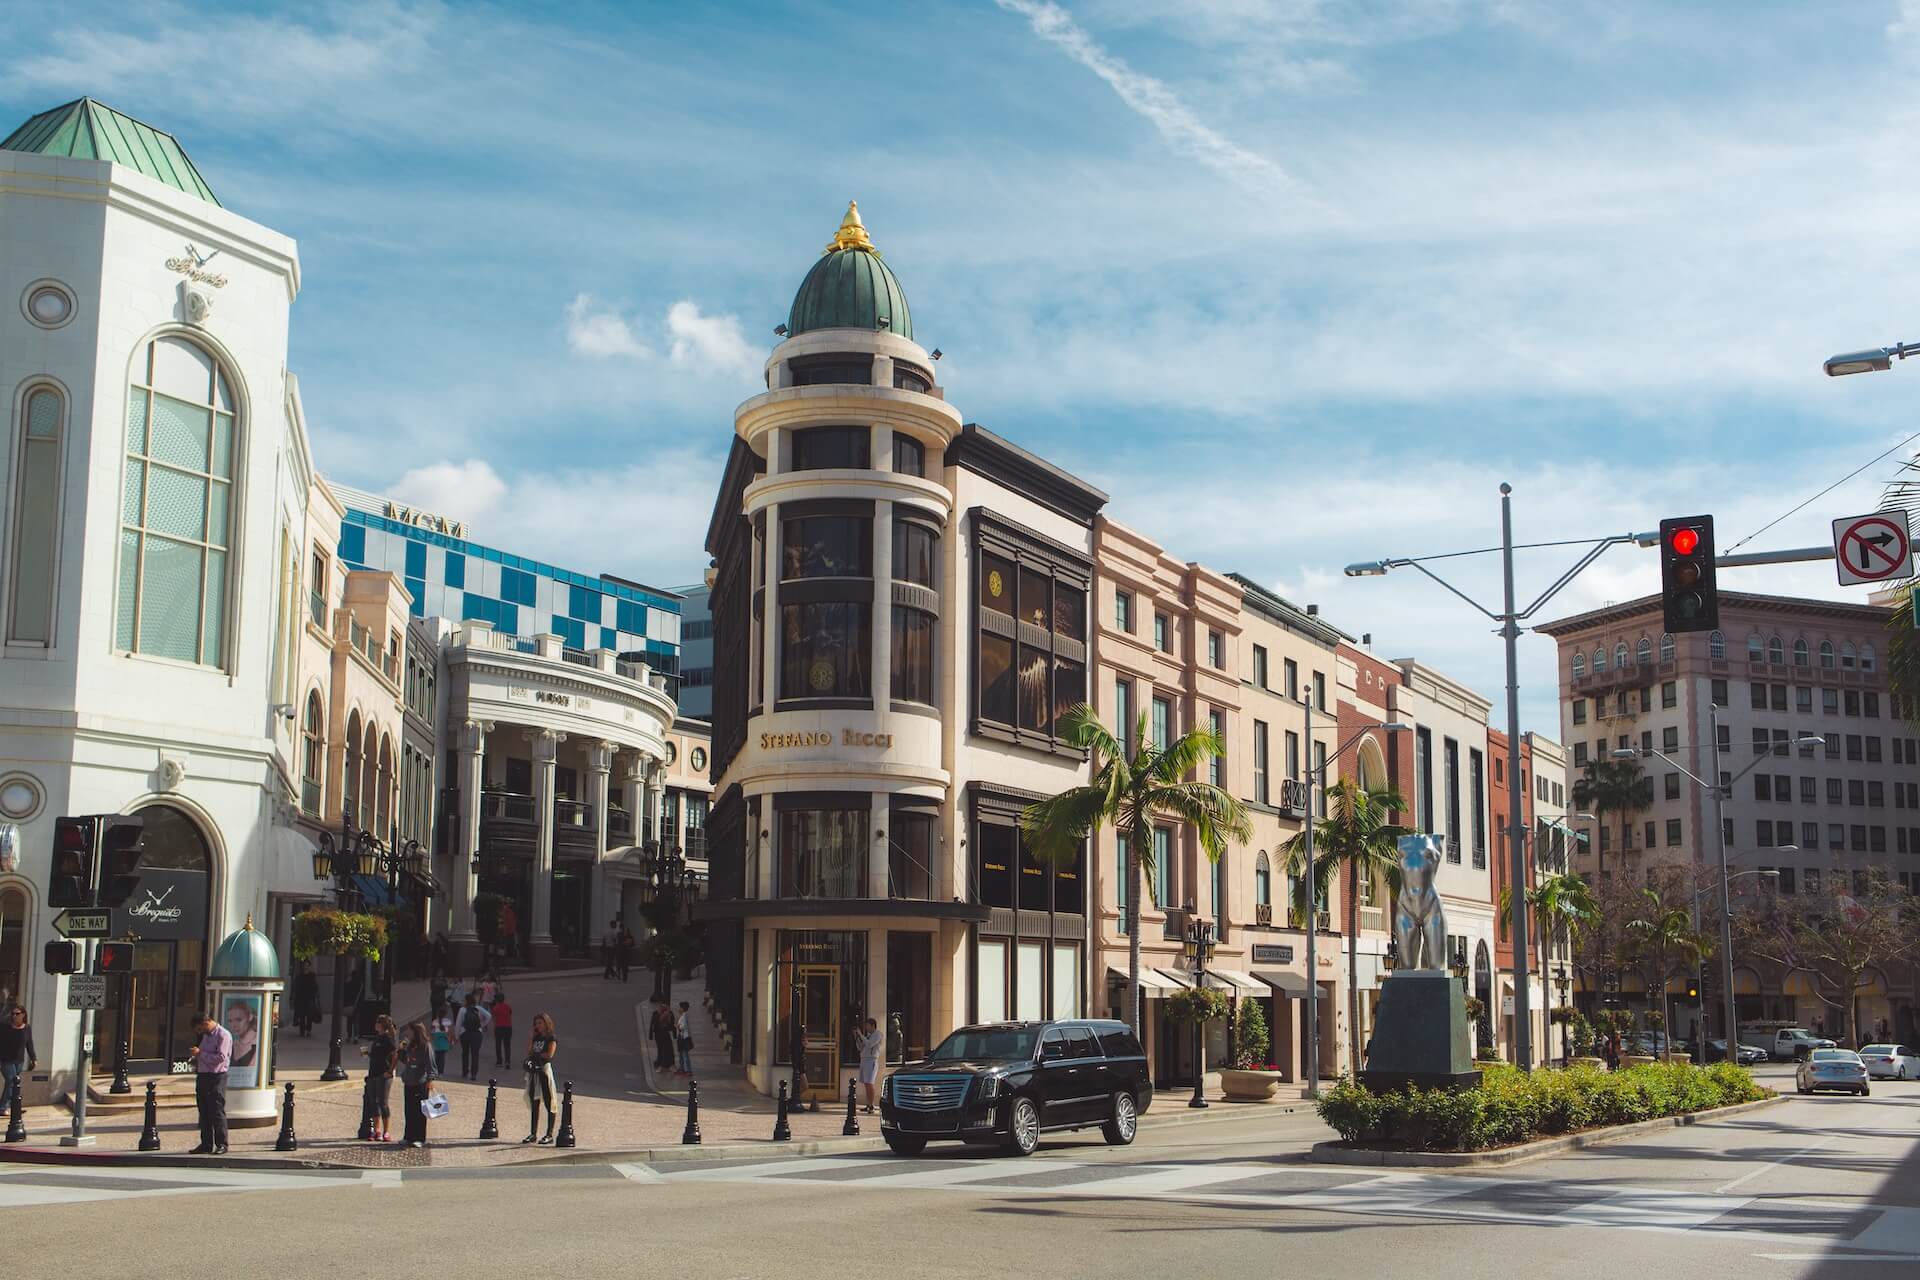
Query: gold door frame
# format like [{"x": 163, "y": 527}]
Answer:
[{"x": 821, "y": 1047}]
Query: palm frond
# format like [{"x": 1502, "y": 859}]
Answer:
[{"x": 1056, "y": 828}]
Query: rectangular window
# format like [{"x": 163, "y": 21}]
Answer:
[
  {"x": 1762, "y": 786},
  {"x": 825, "y": 653},
  {"x": 1123, "y": 611},
  {"x": 1319, "y": 779},
  {"x": 1669, "y": 693},
  {"x": 1579, "y": 755},
  {"x": 1673, "y": 786},
  {"x": 1876, "y": 794},
  {"x": 1163, "y": 633},
  {"x": 833, "y": 448},
  {"x": 1673, "y": 831},
  {"x": 1787, "y": 881},
  {"x": 1319, "y": 691},
  {"x": 1123, "y": 713},
  {"x": 1807, "y": 794},
  {"x": 1873, "y": 750},
  {"x": 456, "y": 570},
  {"x": 1162, "y": 867},
  {"x": 1836, "y": 836},
  {"x": 1216, "y": 651},
  {"x": 1830, "y": 701},
  {"x": 1648, "y": 835},
  {"x": 1719, "y": 693},
  {"x": 1260, "y": 666},
  {"x": 1803, "y": 699},
  {"x": 1834, "y": 791},
  {"x": 1123, "y": 884},
  {"x": 1872, "y": 704},
  {"x": 1260, "y": 791},
  {"x": 1852, "y": 697},
  {"x": 1646, "y": 697},
  {"x": 823, "y": 853},
  {"x": 1763, "y": 836},
  {"x": 1423, "y": 777},
  {"x": 1779, "y": 692},
  {"x": 1762, "y": 742},
  {"x": 1290, "y": 677},
  {"x": 1162, "y": 723},
  {"x": 1217, "y": 765},
  {"x": 914, "y": 638},
  {"x": 1857, "y": 837},
  {"x": 1579, "y": 710},
  {"x": 1853, "y": 746},
  {"x": 1450, "y": 766},
  {"x": 1293, "y": 756},
  {"x": 1759, "y": 692},
  {"x": 1476, "y": 781},
  {"x": 909, "y": 456},
  {"x": 1031, "y": 635},
  {"x": 1670, "y": 739}
]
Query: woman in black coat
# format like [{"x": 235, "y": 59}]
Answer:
[{"x": 416, "y": 1074}]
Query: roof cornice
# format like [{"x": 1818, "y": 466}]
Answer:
[{"x": 1650, "y": 605}]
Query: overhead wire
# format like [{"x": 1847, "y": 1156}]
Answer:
[{"x": 1824, "y": 492}]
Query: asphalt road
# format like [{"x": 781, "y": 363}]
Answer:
[{"x": 1813, "y": 1186}]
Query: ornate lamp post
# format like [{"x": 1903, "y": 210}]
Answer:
[
  {"x": 1198, "y": 946},
  {"x": 356, "y": 852}
]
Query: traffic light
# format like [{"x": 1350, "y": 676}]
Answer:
[
  {"x": 63, "y": 957},
  {"x": 1687, "y": 589},
  {"x": 1693, "y": 992},
  {"x": 121, "y": 844},
  {"x": 73, "y": 846},
  {"x": 113, "y": 958}
]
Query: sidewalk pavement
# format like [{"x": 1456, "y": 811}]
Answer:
[{"x": 618, "y": 1105}]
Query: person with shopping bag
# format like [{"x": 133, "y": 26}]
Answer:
[{"x": 416, "y": 1075}]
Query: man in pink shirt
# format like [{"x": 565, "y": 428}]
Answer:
[{"x": 211, "y": 1057}]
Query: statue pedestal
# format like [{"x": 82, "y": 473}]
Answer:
[{"x": 1420, "y": 1034}]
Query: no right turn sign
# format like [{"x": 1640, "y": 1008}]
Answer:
[{"x": 1872, "y": 548}]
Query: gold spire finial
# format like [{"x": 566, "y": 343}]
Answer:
[
  {"x": 248, "y": 927},
  {"x": 852, "y": 233}
]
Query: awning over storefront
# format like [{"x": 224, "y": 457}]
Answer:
[
  {"x": 1287, "y": 984},
  {"x": 1150, "y": 980},
  {"x": 1244, "y": 984}
]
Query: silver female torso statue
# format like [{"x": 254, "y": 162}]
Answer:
[{"x": 1419, "y": 921}]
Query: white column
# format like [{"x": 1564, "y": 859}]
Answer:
[
  {"x": 882, "y": 601},
  {"x": 473, "y": 758},
  {"x": 546, "y": 751},
  {"x": 600, "y": 761}
]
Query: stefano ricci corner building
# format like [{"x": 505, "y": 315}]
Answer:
[{"x": 899, "y": 620}]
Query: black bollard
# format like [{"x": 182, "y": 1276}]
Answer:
[
  {"x": 566, "y": 1117},
  {"x": 782, "y": 1131},
  {"x": 150, "y": 1126},
  {"x": 16, "y": 1122},
  {"x": 490, "y": 1125},
  {"x": 851, "y": 1128},
  {"x": 690, "y": 1136},
  {"x": 367, "y": 1119},
  {"x": 286, "y": 1141}
]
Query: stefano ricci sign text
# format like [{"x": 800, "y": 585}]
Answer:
[{"x": 824, "y": 738}]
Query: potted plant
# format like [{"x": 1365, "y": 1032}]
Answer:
[
  {"x": 1623, "y": 1023},
  {"x": 1251, "y": 1078},
  {"x": 1197, "y": 1006},
  {"x": 1581, "y": 1036}
]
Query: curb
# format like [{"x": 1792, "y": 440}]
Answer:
[{"x": 1335, "y": 1153}]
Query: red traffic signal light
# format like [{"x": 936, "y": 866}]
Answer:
[
  {"x": 1689, "y": 595},
  {"x": 71, "y": 884},
  {"x": 1685, "y": 541},
  {"x": 113, "y": 957}
]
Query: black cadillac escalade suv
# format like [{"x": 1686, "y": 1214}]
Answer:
[{"x": 1005, "y": 1083}]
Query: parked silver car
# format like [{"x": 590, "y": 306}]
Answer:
[
  {"x": 1891, "y": 1062},
  {"x": 1839, "y": 1069}
]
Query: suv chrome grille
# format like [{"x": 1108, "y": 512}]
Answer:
[{"x": 929, "y": 1093}]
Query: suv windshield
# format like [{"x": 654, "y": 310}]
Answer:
[{"x": 1004, "y": 1044}]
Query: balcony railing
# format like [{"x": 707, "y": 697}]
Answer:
[
  {"x": 508, "y": 805},
  {"x": 620, "y": 824},
  {"x": 579, "y": 657},
  {"x": 1263, "y": 913}
]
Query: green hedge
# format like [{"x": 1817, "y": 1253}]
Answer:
[{"x": 1511, "y": 1107}]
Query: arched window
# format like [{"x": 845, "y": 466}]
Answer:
[
  {"x": 1717, "y": 646},
  {"x": 369, "y": 776},
  {"x": 13, "y": 948},
  {"x": 1579, "y": 666},
  {"x": 1643, "y": 652},
  {"x": 177, "y": 504},
  {"x": 350, "y": 776},
  {"x": 1776, "y": 651},
  {"x": 1599, "y": 660},
  {"x": 1846, "y": 655},
  {"x": 36, "y": 520},
  {"x": 1620, "y": 656},
  {"x": 1756, "y": 652},
  {"x": 383, "y": 799},
  {"x": 1262, "y": 880},
  {"x": 1799, "y": 653},
  {"x": 1826, "y": 654},
  {"x": 1866, "y": 657},
  {"x": 1666, "y": 646},
  {"x": 313, "y": 760}
]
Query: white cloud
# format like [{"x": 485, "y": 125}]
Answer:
[
  {"x": 601, "y": 332},
  {"x": 469, "y": 490},
  {"x": 709, "y": 344},
  {"x": 1149, "y": 98}
]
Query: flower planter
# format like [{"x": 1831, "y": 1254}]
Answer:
[
  {"x": 1588, "y": 1062},
  {"x": 1249, "y": 1086}
]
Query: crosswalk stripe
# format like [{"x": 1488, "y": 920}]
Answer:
[
  {"x": 1171, "y": 1180},
  {"x": 1639, "y": 1207}
]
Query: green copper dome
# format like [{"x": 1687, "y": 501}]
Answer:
[
  {"x": 245, "y": 956},
  {"x": 850, "y": 287},
  {"x": 90, "y": 130}
]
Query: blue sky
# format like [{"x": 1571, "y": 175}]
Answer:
[{"x": 1299, "y": 282}]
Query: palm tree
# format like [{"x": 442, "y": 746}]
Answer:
[
  {"x": 1618, "y": 785},
  {"x": 1356, "y": 837},
  {"x": 1563, "y": 904},
  {"x": 1662, "y": 942},
  {"x": 1129, "y": 793}
]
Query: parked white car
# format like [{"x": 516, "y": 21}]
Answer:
[
  {"x": 1838, "y": 1069},
  {"x": 1891, "y": 1062}
]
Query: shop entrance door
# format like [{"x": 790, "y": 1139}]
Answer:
[
  {"x": 162, "y": 994},
  {"x": 819, "y": 992}
]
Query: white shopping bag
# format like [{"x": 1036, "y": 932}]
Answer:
[{"x": 435, "y": 1105}]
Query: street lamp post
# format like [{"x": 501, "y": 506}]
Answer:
[
  {"x": 1509, "y": 621},
  {"x": 1315, "y": 773},
  {"x": 1199, "y": 950},
  {"x": 355, "y": 852},
  {"x": 1720, "y": 793}
]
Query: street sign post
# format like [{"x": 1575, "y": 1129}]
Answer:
[
  {"x": 72, "y": 923},
  {"x": 1872, "y": 548},
  {"x": 86, "y": 991}
]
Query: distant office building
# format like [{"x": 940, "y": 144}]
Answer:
[{"x": 696, "y": 653}]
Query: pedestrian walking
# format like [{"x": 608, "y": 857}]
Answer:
[
  {"x": 502, "y": 1031},
  {"x": 16, "y": 1053},
  {"x": 456, "y": 992},
  {"x": 509, "y": 931},
  {"x": 541, "y": 1046},
  {"x": 610, "y": 950},
  {"x": 377, "y": 1094},
  {"x": 442, "y": 1029},
  {"x": 870, "y": 1043},
  {"x": 306, "y": 998},
  {"x": 489, "y": 989},
  {"x": 683, "y": 1037},
  {"x": 437, "y": 989},
  {"x": 473, "y": 1022},
  {"x": 661, "y": 1029},
  {"x": 416, "y": 1073},
  {"x": 210, "y": 1060}
]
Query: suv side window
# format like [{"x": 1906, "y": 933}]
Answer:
[
  {"x": 1080, "y": 1043},
  {"x": 1054, "y": 1044},
  {"x": 1119, "y": 1043}
]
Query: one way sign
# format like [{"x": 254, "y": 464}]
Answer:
[{"x": 1872, "y": 548}]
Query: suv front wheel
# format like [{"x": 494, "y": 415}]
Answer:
[
  {"x": 1023, "y": 1127},
  {"x": 1123, "y": 1123},
  {"x": 904, "y": 1145}
]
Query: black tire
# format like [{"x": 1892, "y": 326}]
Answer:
[
  {"x": 902, "y": 1144},
  {"x": 1800, "y": 1088},
  {"x": 1864, "y": 1091},
  {"x": 1023, "y": 1128},
  {"x": 1123, "y": 1121}
]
